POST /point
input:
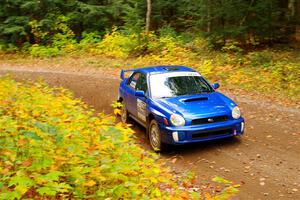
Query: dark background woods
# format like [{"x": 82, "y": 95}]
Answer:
[{"x": 250, "y": 22}]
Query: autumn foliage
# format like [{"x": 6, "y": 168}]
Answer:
[{"x": 53, "y": 146}]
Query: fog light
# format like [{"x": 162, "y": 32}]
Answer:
[
  {"x": 175, "y": 136},
  {"x": 242, "y": 127},
  {"x": 178, "y": 136}
]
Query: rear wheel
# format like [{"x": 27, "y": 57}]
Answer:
[
  {"x": 155, "y": 136},
  {"x": 124, "y": 113}
]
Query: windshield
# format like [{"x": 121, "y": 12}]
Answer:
[{"x": 178, "y": 84}]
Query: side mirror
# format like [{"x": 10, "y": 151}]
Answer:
[
  {"x": 139, "y": 93},
  {"x": 215, "y": 85}
]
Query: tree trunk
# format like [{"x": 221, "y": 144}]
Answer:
[
  {"x": 148, "y": 15},
  {"x": 297, "y": 16},
  {"x": 208, "y": 26},
  {"x": 290, "y": 15},
  {"x": 291, "y": 7}
]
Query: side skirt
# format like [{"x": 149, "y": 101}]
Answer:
[{"x": 138, "y": 120}]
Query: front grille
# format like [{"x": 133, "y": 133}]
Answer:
[
  {"x": 205, "y": 134},
  {"x": 209, "y": 120}
]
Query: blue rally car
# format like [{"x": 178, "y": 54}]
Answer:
[{"x": 177, "y": 105}]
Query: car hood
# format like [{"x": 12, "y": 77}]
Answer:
[{"x": 199, "y": 106}]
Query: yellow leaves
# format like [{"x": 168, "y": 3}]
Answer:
[
  {"x": 105, "y": 147},
  {"x": 95, "y": 172},
  {"x": 221, "y": 180},
  {"x": 7, "y": 152},
  {"x": 129, "y": 172},
  {"x": 236, "y": 185},
  {"x": 208, "y": 196},
  {"x": 185, "y": 195},
  {"x": 63, "y": 147},
  {"x": 117, "y": 111},
  {"x": 153, "y": 180},
  {"x": 157, "y": 192},
  {"x": 116, "y": 104},
  {"x": 116, "y": 44},
  {"x": 90, "y": 183},
  {"x": 36, "y": 113}
]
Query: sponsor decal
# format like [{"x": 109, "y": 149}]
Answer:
[{"x": 141, "y": 109}]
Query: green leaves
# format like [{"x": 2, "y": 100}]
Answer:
[
  {"x": 21, "y": 183},
  {"x": 46, "y": 191},
  {"x": 20, "y": 180},
  {"x": 52, "y": 188},
  {"x": 41, "y": 163},
  {"x": 230, "y": 189},
  {"x": 31, "y": 135},
  {"x": 53, "y": 176}
]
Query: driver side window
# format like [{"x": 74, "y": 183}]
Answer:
[
  {"x": 142, "y": 83},
  {"x": 138, "y": 81}
]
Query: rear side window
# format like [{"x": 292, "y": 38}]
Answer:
[{"x": 133, "y": 80}]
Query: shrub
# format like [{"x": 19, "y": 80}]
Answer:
[
  {"x": 232, "y": 46},
  {"x": 43, "y": 51},
  {"x": 116, "y": 44},
  {"x": 207, "y": 68},
  {"x": 52, "y": 146},
  {"x": 260, "y": 58},
  {"x": 89, "y": 40},
  {"x": 9, "y": 48},
  {"x": 287, "y": 75}
]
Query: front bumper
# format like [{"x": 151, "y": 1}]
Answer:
[{"x": 204, "y": 132}]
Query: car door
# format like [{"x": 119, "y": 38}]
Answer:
[
  {"x": 141, "y": 102},
  {"x": 130, "y": 100}
]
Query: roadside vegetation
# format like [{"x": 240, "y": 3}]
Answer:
[
  {"x": 244, "y": 44},
  {"x": 271, "y": 71},
  {"x": 54, "y": 147}
]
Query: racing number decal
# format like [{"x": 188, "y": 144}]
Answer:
[{"x": 141, "y": 109}]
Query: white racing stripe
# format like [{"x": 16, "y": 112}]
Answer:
[{"x": 176, "y": 74}]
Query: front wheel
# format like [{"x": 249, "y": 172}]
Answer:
[{"x": 155, "y": 136}]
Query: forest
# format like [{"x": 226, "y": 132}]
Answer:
[{"x": 250, "y": 22}]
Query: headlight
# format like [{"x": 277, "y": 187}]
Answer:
[
  {"x": 177, "y": 120},
  {"x": 236, "y": 113}
]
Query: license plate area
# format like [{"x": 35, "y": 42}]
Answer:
[{"x": 211, "y": 133}]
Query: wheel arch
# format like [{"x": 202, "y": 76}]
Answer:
[{"x": 120, "y": 99}]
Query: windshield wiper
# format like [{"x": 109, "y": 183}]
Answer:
[{"x": 165, "y": 97}]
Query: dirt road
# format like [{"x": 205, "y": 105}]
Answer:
[{"x": 265, "y": 161}]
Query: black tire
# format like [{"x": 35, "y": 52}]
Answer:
[
  {"x": 154, "y": 135},
  {"x": 124, "y": 114}
]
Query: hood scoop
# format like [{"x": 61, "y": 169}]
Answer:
[{"x": 196, "y": 99}]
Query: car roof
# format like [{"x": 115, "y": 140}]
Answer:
[{"x": 164, "y": 69}]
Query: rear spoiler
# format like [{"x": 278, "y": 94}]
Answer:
[{"x": 122, "y": 74}]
